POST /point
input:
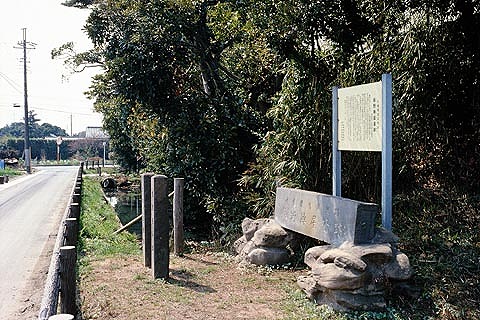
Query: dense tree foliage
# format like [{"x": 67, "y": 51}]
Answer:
[
  {"x": 78, "y": 3},
  {"x": 211, "y": 90}
]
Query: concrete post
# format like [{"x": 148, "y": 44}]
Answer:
[
  {"x": 160, "y": 227},
  {"x": 178, "y": 185},
  {"x": 146, "y": 218}
]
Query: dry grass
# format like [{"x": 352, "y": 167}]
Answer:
[{"x": 201, "y": 286}]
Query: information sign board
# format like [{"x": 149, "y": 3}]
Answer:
[
  {"x": 359, "y": 117},
  {"x": 362, "y": 121}
]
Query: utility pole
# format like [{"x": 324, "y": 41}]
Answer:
[{"x": 23, "y": 45}]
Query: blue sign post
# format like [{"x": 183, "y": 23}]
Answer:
[
  {"x": 362, "y": 121},
  {"x": 2, "y": 164}
]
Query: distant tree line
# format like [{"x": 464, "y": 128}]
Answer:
[
  {"x": 17, "y": 129},
  {"x": 12, "y": 142},
  {"x": 47, "y": 149}
]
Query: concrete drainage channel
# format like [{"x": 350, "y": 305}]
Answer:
[{"x": 61, "y": 280}]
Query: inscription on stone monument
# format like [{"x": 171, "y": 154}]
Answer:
[
  {"x": 359, "y": 117},
  {"x": 331, "y": 219}
]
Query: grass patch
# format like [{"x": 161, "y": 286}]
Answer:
[
  {"x": 105, "y": 170},
  {"x": 98, "y": 222},
  {"x": 10, "y": 172},
  {"x": 296, "y": 306}
]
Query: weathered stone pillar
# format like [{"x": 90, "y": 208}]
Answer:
[
  {"x": 178, "y": 216},
  {"x": 160, "y": 227},
  {"x": 146, "y": 218}
]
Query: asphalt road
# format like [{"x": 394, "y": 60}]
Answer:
[{"x": 31, "y": 208}]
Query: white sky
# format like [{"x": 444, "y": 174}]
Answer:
[{"x": 51, "y": 96}]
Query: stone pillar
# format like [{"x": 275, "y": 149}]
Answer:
[
  {"x": 160, "y": 227},
  {"x": 178, "y": 185},
  {"x": 146, "y": 219}
]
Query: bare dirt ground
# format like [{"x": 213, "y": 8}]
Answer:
[
  {"x": 30, "y": 298},
  {"x": 201, "y": 286}
]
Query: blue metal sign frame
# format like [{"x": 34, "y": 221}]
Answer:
[{"x": 386, "y": 150}]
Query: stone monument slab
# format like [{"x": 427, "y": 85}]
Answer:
[{"x": 331, "y": 219}]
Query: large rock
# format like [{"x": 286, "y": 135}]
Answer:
[
  {"x": 370, "y": 253},
  {"x": 264, "y": 242},
  {"x": 249, "y": 226},
  {"x": 313, "y": 253},
  {"x": 354, "y": 301},
  {"x": 268, "y": 256},
  {"x": 309, "y": 286},
  {"x": 332, "y": 277},
  {"x": 343, "y": 259},
  {"x": 239, "y": 244},
  {"x": 246, "y": 249},
  {"x": 353, "y": 277},
  {"x": 271, "y": 235},
  {"x": 399, "y": 268}
]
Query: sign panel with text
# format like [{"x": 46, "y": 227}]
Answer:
[
  {"x": 359, "y": 117},
  {"x": 362, "y": 121}
]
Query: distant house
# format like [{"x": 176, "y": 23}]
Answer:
[{"x": 96, "y": 133}]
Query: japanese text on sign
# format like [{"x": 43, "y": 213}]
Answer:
[{"x": 360, "y": 117}]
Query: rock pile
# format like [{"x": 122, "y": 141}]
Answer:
[
  {"x": 354, "y": 277},
  {"x": 264, "y": 242},
  {"x": 346, "y": 277}
]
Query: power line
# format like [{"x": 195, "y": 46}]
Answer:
[
  {"x": 53, "y": 98},
  {"x": 12, "y": 83},
  {"x": 70, "y": 112},
  {"x": 53, "y": 110}
]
